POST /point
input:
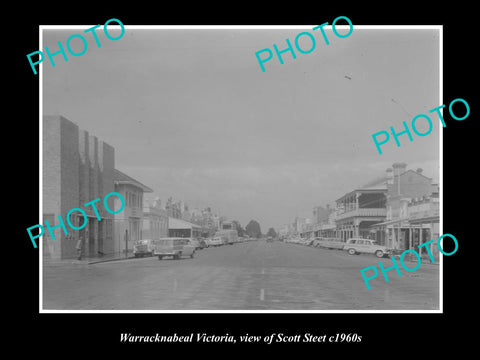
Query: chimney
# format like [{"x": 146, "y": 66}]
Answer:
[
  {"x": 389, "y": 176},
  {"x": 398, "y": 169}
]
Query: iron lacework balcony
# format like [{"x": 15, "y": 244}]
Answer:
[{"x": 362, "y": 212}]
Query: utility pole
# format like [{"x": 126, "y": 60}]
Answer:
[{"x": 126, "y": 243}]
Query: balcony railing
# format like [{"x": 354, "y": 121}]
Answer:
[{"x": 363, "y": 212}]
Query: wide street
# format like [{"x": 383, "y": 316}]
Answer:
[{"x": 253, "y": 275}]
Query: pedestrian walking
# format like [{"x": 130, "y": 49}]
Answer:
[{"x": 79, "y": 248}]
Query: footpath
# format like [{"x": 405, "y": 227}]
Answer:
[{"x": 88, "y": 260}]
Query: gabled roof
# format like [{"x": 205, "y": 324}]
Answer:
[
  {"x": 379, "y": 182},
  {"x": 416, "y": 173},
  {"x": 121, "y": 178}
]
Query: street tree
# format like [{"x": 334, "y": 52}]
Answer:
[
  {"x": 253, "y": 229},
  {"x": 271, "y": 232}
]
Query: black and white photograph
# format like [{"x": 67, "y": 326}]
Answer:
[
  {"x": 238, "y": 189},
  {"x": 261, "y": 178}
]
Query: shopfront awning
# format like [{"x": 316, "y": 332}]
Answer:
[
  {"x": 424, "y": 220},
  {"x": 390, "y": 222}
]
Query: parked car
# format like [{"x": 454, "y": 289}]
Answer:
[
  {"x": 304, "y": 241},
  {"x": 269, "y": 239},
  {"x": 330, "y": 243},
  {"x": 176, "y": 247},
  {"x": 359, "y": 245},
  {"x": 203, "y": 243},
  {"x": 315, "y": 242},
  {"x": 293, "y": 240},
  {"x": 195, "y": 243},
  {"x": 215, "y": 241},
  {"x": 142, "y": 248}
]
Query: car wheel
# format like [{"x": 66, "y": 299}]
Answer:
[
  {"x": 160, "y": 257},
  {"x": 176, "y": 257},
  {"x": 379, "y": 253},
  {"x": 352, "y": 251}
]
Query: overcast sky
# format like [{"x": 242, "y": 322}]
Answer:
[{"x": 191, "y": 115}]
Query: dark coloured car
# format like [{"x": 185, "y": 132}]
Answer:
[{"x": 202, "y": 243}]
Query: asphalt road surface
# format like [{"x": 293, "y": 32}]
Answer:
[{"x": 253, "y": 275}]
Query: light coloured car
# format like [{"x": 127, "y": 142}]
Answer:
[
  {"x": 142, "y": 248},
  {"x": 175, "y": 247},
  {"x": 305, "y": 241},
  {"x": 358, "y": 245},
  {"x": 215, "y": 241},
  {"x": 330, "y": 243},
  {"x": 294, "y": 240}
]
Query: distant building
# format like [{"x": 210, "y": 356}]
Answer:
[
  {"x": 209, "y": 221},
  {"x": 320, "y": 214},
  {"x": 182, "y": 228},
  {"x": 186, "y": 213},
  {"x": 285, "y": 231},
  {"x": 227, "y": 225},
  {"x": 128, "y": 223},
  {"x": 155, "y": 220},
  {"x": 173, "y": 209},
  {"x": 327, "y": 228},
  {"x": 324, "y": 222},
  {"x": 77, "y": 168},
  {"x": 298, "y": 225}
]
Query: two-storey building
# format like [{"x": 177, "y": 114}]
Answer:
[
  {"x": 403, "y": 186},
  {"x": 361, "y": 208},
  {"x": 128, "y": 223}
]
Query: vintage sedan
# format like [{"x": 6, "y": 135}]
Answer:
[
  {"x": 359, "y": 245},
  {"x": 195, "y": 243},
  {"x": 175, "y": 247},
  {"x": 215, "y": 241},
  {"x": 142, "y": 248}
]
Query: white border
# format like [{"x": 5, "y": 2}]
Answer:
[{"x": 216, "y": 27}]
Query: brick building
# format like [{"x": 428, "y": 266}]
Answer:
[{"x": 77, "y": 168}]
